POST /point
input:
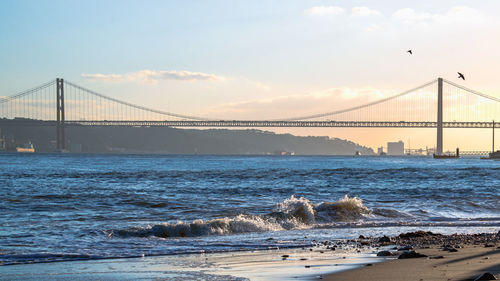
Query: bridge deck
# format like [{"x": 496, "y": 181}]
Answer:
[{"x": 252, "y": 123}]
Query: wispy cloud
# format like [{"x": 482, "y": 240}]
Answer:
[
  {"x": 316, "y": 102},
  {"x": 151, "y": 76},
  {"x": 336, "y": 11},
  {"x": 459, "y": 14},
  {"x": 325, "y": 11},
  {"x": 373, "y": 27},
  {"x": 364, "y": 12}
]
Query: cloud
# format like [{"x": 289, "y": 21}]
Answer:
[
  {"x": 455, "y": 15},
  {"x": 336, "y": 11},
  {"x": 104, "y": 77},
  {"x": 373, "y": 27},
  {"x": 325, "y": 11},
  {"x": 283, "y": 107},
  {"x": 364, "y": 12},
  {"x": 152, "y": 77}
]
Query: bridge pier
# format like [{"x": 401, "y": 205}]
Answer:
[
  {"x": 439, "y": 141},
  {"x": 60, "y": 134}
]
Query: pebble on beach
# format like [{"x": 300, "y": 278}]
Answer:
[
  {"x": 411, "y": 255},
  {"x": 485, "y": 276},
  {"x": 384, "y": 254},
  {"x": 384, "y": 239}
]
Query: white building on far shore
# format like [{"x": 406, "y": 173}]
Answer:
[{"x": 396, "y": 148}]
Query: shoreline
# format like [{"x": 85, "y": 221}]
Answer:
[{"x": 352, "y": 259}]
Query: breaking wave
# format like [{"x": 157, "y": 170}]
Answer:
[{"x": 292, "y": 213}]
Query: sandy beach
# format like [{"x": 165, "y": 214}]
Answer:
[
  {"x": 466, "y": 264},
  {"x": 431, "y": 256},
  {"x": 447, "y": 257}
]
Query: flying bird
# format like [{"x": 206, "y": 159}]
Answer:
[
  {"x": 460, "y": 75},
  {"x": 409, "y": 51}
]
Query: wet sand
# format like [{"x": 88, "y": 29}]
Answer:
[{"x": 277, "y": 264}]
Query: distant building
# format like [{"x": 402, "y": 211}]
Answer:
[
  {"x": 380, "y": 151},
  {"x": 396, "y": 148},
  {"x": 75, "y": 148}
]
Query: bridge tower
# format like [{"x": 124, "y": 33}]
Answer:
[
  {"x": 439, "y": 141},
  {"x": 61, "y": 139}
]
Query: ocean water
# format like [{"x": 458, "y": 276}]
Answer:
[{"x": 57, "y": 207}]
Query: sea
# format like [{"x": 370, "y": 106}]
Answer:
[{"x": 61, "y": 207}]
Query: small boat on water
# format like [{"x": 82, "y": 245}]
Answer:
[
  {"x": 446, "y": 156},
  {"x": 493, "y": 155},
  {"x": 27, "y": 147},
  {"x": 283, "y": 152}
]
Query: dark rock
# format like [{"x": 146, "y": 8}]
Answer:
[
  {"x": 436, "y": 257},
  {"x": 418, "y": 234},
  {"x": 449, "y": 249},
  {"x": 485, "y": 276},
  {"x": 405, "y": 248},
  {"x": 307, "y": 266},
  {"x": 303, "y": 259},
  {"x": 489, "y": 245},
  {"x": 361, "y": 237},
  {"x": 369, "y": 264},
  {"x": 285, "y": 256},
  {"x": 411, "y": 255},
  {"x": 384, "y": 254},
  {"x": 384, "y": 239}
]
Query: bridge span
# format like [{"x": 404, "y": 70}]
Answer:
[
  {"x": 61, "y": 103},
  {"x": 277, "y": 124}
]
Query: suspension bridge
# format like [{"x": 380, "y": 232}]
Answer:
[{"x": 437, "y": 104}]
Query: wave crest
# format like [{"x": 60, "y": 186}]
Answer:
[
  {"x": 292, "y": 213},
  {"x": 347, "y": 208}
]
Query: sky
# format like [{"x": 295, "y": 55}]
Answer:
[{"x": 256, "y": 59}]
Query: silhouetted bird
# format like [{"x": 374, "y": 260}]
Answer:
[
  {"x": 460, "y": 75},
  {"x": 409, "y": 51}
]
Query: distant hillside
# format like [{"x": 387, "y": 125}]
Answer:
[{"x": 177, "y": 141}]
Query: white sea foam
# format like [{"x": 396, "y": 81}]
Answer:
[
  {"x": 292, "y": 213},
  {"x": 239, "y": 224},
  {"x": 347, "y": 208},
  {"x": 300, "y": 210}
]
